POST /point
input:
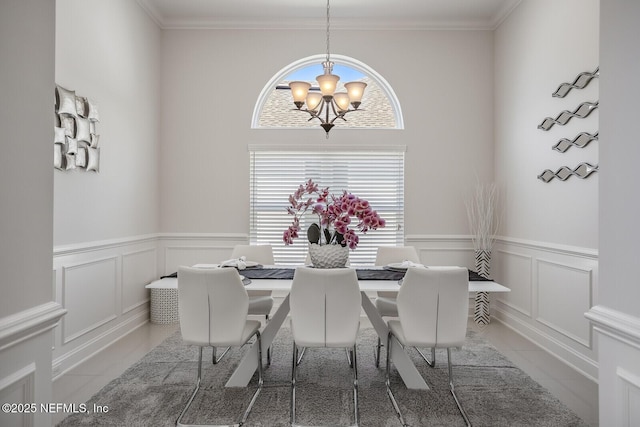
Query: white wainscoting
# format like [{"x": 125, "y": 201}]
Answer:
[
  {"x": 102, "y": 287},
  {"x": 25, "y": 371},
  {"x": 552, "y": 286},
  {"x": 619, "y": 388}
]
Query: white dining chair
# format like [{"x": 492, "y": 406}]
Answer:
[
  {"x": 260, "y": 302},
  {"x": 213, "y": 307},
  {"x": 386, "y": 301},
  {"x": 433, "y": 308},
  {"x": 325, "y": 312}
]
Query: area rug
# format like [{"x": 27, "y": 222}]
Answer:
[{"x": 493, "y": 391}]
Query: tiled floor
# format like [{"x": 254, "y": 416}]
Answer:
[{"x": 577, "y": 392}]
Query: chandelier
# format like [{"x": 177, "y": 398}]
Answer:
[{"x": 327, "y": 106}]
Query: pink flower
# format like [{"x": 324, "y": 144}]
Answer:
[{"x": 333, "y": 213}]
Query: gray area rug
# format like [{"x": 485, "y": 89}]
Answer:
[{"x": 493, "y": 391}]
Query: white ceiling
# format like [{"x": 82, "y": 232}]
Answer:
[{"x": 356, "y": 14}]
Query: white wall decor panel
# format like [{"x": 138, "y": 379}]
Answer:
[
  {"x": 90, "y": 294},
  {"x": 564, "y": 294},
  {"x": 138, "y": 269},
  {"x": 513, "y": 269}
]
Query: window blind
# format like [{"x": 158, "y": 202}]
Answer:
[{"x": 375, "y": 174}]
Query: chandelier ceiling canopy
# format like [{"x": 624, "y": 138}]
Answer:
[{"x": 325, "y": 104}]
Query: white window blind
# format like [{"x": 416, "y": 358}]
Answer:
[{"x": 375, "y": 174}]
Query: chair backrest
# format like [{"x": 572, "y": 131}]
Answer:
[
  {"x": 325, "y": 307},
  {"x": 390, "y": 254},
  {"x": 212, "y": 304},
  {"x": 433, "y": 306},
  {"x": 258, "y": 253}
]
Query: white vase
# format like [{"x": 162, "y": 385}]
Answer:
[{"x": 328, "y": 256}]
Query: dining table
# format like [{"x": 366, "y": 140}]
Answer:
[{"x": 279, "y": 278}]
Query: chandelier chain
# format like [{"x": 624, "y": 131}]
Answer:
[{"x": 328, "y": 30}]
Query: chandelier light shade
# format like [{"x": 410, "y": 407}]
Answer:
[{"x": 326, "y": 105}]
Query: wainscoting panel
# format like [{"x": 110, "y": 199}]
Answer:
[
  {"x": 102, "y": 286},
  {"x": 85, "y": 282},
  {"x": 189, "y": 249},
  {"x": 514, "y": 268},
  {"x": 176, "y": 256},
  {"x": 564, "y": 311},
  {"x": 618, "y": 336},
  {"x": 18, "y": 388},
  {"x": 446, "y": 256},
  {"x": 138, "y": 269},
  {"x": 630, "y": 387},
  {"x": 552, "y": 286}
]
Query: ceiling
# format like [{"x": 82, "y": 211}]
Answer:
[{"x": 354, "y": 14}]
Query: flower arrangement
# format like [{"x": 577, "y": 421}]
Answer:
[{"x": 334, "y": 216}]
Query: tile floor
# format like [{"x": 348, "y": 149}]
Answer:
[{"x": 574, "y": 390}]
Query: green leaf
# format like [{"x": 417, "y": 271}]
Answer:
[{"x": 313, "y": 233}]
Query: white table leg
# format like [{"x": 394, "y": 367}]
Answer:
[
  {"x": 249, "y": 363},
  {"x": 407, "y": 370}
]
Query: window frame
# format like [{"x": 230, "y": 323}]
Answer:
[{"x": 273, "y": 173}]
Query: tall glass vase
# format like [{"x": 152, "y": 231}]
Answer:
[{"x": 481, "y": 311}]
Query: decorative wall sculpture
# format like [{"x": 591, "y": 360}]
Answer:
[
  {"x": 75, "y": 138},
  {"x": 581, "y": 81},
  {"x": 563, "y": 118},
  {"x": 581, "y": 140},
  {"x": 583, "y": 170}
]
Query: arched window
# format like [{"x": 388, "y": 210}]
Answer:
[{"x": 381, "y": 108}]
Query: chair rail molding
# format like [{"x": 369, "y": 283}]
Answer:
[
  {"x": 615, "y": 324},
  {"x": 28, "y": 323}
]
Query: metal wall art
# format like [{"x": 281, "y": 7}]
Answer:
[
  {"x": 583, "y": 170},
  {"x": 75, "y": 138},
  {"x": 563, "y": 118},
  {"x": 581, "y": 81},
  {"x": 581, "y": 140}
]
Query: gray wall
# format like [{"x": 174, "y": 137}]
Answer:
[
  {"x": 26, "y": 162},
  {"x": 109, "y": 51},
  {"x": 212, "y": 78}
]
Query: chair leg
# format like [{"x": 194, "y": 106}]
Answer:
[
  {"x": 294, "y": 367},
  {"x": 377, "y": 361},
  {"x": 388, "y": 382},
  {"x": 453, "y": 392},
  {"x": 215, "y": 360},
  {"x": 354, "y": 365},
  {"x": 260, "y": 381},
  {"x": 195, "y": 391},
  {"x": 431, "y": 362},
  {"x": 266, "y": 318},
  {"x": 301, "y": 355}
]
